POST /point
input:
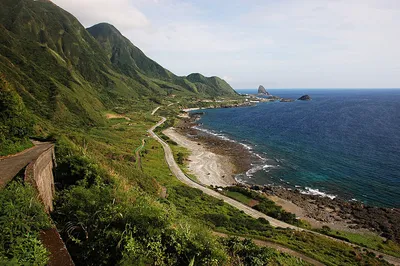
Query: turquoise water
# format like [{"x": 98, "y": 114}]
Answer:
[{"x": 343, "y": 143}]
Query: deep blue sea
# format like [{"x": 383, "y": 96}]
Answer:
[{"x": 343, "y": 143}]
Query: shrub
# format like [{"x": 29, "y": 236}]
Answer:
[{"x": 21, "y": 218}]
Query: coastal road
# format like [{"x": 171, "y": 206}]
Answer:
[
  {"x": 11, "y": 165},
  {"x": 173, "y": 166}
]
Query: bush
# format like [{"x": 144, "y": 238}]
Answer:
[
  {"x": 21, "y": 218},
  {"x": 15, "y": 122},
  {"x": 245, "y": 252}
]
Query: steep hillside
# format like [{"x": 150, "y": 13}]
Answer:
[
  {"x": 59, "y": 70},
  {"x": 131, "y": 61},
  {"x": 68, "y": 78},
  {"x": 126, "y": 56},
  {"x": 15, "y": 121},
  {"x": 213, "y": 85}
]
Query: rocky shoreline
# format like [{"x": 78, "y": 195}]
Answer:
[
  {"x": 319, "y": 211},
  {"x": 353, "y": 215}
]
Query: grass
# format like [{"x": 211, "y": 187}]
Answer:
[
  {"x": 220, "y": 216},
  {"x": 9, "y": 148},
  {"x": 181, "y": 155},
  {"x": 263, "y": 204},
  {"x": 22, "y": 217},
  {"x": 367, "y": 239},
  {"x": 239, "y": 197}
]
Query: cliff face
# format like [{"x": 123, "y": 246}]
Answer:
[
  {"x": 262, "y": 90},
  {"x": 40, "y": 174}
]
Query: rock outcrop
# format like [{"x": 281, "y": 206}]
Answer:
[
  {"x": 305, "y": 98},
  {"x": 262, "y": 90}
]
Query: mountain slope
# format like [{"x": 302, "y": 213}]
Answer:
[
  {"x": 131, "y": 60},
  {"x": 59, "y": 70},
  {"x": 124, "y": 55},
  {"x": 212, "y": 85},
  {"x": 68, "y": 78}
]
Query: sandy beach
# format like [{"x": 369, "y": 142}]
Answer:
[{"x": 209, "y": 168}]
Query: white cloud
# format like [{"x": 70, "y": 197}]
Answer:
[
  {"x": 227, "y": 78},
  {"x": 122, "y": 13},
  {"x": 288, "y": 43}
]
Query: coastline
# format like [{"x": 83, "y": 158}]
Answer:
[
  {"x": 210, "y": 169},
  {"x": 319, "y": 211}
]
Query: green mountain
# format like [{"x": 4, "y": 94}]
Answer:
[
  {"x": 131, "y": 61},
  {"x": 68, "y": 75},
  {"x": 124, "y": 55},
  {"x": 210, "y": 86}
]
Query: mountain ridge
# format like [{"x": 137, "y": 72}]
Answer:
[
  {"x": 130, "y": 60},
  {"x": 67, "y": 77}
]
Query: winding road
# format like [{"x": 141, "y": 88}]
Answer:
[
  {"x": 11, "y": 165},
  {"x": 173, "y": 166}
]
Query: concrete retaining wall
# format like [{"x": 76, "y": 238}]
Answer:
[{"x": 39, "y": 173}]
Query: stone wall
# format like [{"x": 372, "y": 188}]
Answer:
[{"x": 39, "y": 173}]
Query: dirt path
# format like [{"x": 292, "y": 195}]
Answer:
[
  {"x": 278, "y": 247},
  {"x": 173, "y": 166},
  {"x": 137, "y": 154},
  {"x": 114, "y": 116},
  {"x": 10, "y": 166}
]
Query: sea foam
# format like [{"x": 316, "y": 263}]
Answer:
[{"x": 316, "y": 192}]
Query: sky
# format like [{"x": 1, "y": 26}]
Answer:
[{"x": 276, "y": 43}]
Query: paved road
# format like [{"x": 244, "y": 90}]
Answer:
[
  {"x": 10, "y": 166},
  {"x": 173, "y": 166},
  {"x": 155, "y": 110},
  {"x": 183, "y": 178},
  {"x": 281, "y": 248}
]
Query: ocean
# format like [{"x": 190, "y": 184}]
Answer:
[{"x": 343, "y": 143}]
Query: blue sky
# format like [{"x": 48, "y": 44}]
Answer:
[{"x": 277, "y": 43}]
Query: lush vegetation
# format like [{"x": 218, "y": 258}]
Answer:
[
  {"x": 21, "y": 219},
  {"x": 367, "y": 239},
  {"x": 105, "y": 220},
  {"x": 15, "y": 122},
  {"x": 66, "y": 78},
  {"x": 263, "y": 204},
  {"x": 245, "y": 252}
]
